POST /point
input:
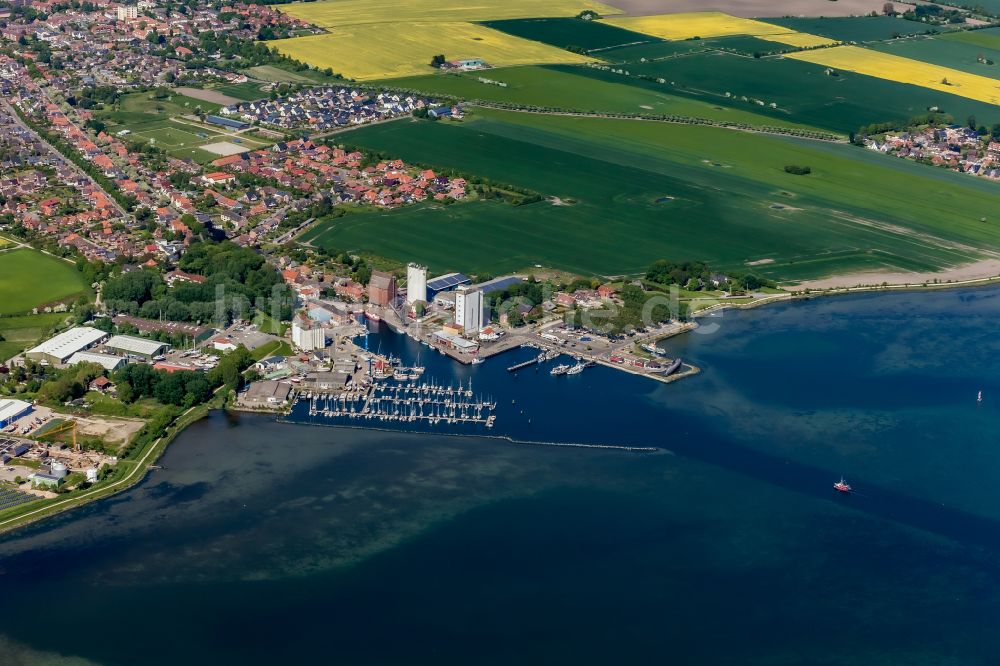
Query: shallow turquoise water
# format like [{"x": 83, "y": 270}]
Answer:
[{"x": 262, "y": 542}]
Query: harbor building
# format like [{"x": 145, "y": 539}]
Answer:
[
  {"x": 307, "y": 335},
  {"x": 445, "y": 283},
  {"x": 416, "y": 283},
  {"x": 499, "y": 284},
  {"x": 382, "y": 288},
  {"x": 469, "y": 309},
  {"x": 133, "y": 347},
  {"x": 59, "y": 349},
  {"x": 12, "y": 410},
  {"x": 267, "y": 394}
]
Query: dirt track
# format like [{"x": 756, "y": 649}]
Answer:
[{"x": 755, "y": 8}]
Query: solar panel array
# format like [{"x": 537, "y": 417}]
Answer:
[
  {"x": 447, "y": 282},
  {"x": 11, "y": 498}
]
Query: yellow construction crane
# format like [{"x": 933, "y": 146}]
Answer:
[{"x": 69, "y": 424}]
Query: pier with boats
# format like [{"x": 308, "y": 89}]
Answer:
[{"x": 427, "y": 402}]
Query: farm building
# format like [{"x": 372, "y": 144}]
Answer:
[
  {"x": 12, "y": 410},
  {"x": 108, "y": 361},
  {"x": 61, "y": 347},
  {"x": 131, "y": 346}
]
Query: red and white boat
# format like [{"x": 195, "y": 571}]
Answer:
[
  {"x": 842, "y": 486},
  {"x": 371, "y": 316}
]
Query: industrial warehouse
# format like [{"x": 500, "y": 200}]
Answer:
[{"x": 60, "y": 349}]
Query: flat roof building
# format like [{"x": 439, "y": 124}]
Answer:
[
  {"x": 267, "y": 394},
  {"x": 129, "y": 345},
  {"x": 445, "y": 283},
  {"x": 109, "y": 362},
  {"x": 175, "y": 328},
  {"x": 61, "y": 347},
  {"x": 499, "y": 284},
  {"x": 226, "y": 122},
  {"x": 12, "y": 410}
]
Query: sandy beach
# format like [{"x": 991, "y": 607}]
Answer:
[{"x": 980, "y": 270}]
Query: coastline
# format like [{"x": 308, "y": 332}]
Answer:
[{"x": 793, "y": 293}]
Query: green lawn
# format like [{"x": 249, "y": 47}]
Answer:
[
  {"x": 274, "y": 348},
  {"x": 134, "y": 109},
  {"x": 580, "y": 89},
  {"x": 801, "y": 92},
  {"x": 25, "y": 331},
  {"x": 952, "y": 53},
  {"x": 640, "y": 191},
  {"x": 29, "y": 279}
]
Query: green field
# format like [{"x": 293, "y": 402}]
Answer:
[
  {"x": 747, "y": 45},
  {"x": 25, "y": 331},
  {"x": 947, "y": 53},
  {"x": 570, "y": 32},
  {"x": 655, "y": 50},
  {"x": 635, "y": 191},
  {"x": 29, "y": 279},
  {"x": 138, "y": 108},
  {"x": 802, "y": 91},
  {"x": 248, "y": 91},
  {"x": 854, "y": 28},
  {"x": 570, "y": 87},
  {"x": 159, "y": 121},
  {"x": 987, "y": 39}
]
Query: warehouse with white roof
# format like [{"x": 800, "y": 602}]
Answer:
[
  {"x": 12, "y": 410},
  {"x": 59, "y": 349},
  {"x": 109, "y": 362},
  {"x": 129, "y": 345}
]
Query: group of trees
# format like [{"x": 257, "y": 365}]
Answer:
[
  {"x": 692, "y": 275},
  {"x": 237, "y": 280}
]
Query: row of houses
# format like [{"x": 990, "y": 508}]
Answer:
[
  {"x": 324, "y": 108},
  {"x": 954, "y": 147}
]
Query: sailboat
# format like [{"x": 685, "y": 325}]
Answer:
[{"x": 980, "y": 398}]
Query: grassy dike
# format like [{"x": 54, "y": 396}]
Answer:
[{"x": 128, "y": 472}]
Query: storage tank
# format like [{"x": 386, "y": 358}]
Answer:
[
  {"x": 59, "y": 470},
  {"x": 92, "y": 475}
]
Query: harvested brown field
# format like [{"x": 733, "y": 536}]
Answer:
[
  {"x": 756, "y": 8},
  {"x": 213, "y": 96}
]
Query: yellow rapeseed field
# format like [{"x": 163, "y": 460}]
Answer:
[
  {"x": 390, "y": 50},
  {"x": 713, "y": 24},
  {"x": 337, "y": 13},
  {"x": 905, "y": 70}
]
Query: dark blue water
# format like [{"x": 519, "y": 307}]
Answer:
[{"x": 263, "y": 542}]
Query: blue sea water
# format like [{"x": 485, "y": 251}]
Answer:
[{"x": 265, "y": 542}]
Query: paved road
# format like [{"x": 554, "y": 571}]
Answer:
[{"x": 10, "y": 110}]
